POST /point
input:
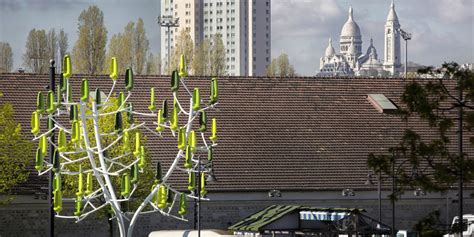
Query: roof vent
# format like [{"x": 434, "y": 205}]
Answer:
[{"x": 382, "y": 103}]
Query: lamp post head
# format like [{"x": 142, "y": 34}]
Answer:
[
  {"x": 211, "y": 178},
  {"x": 405, "y": 35}
]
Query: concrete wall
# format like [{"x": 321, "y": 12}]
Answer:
[{"x": 27, "y": 216}]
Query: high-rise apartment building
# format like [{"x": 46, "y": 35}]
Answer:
[{"x": 245, "y": 26}]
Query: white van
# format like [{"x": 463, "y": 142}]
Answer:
[{"x": 468, "y": 227}]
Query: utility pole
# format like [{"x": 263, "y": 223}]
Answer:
[
  {"x": 168, "y": 21},
  {"x": 406, "y": 36}
]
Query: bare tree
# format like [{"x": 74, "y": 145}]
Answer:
[
  {"x": 52, "y": 44},
  {"x": 62, "y": 43},
  {"x": 6, "y": 57},
  {"x": 35, "y": 58}
]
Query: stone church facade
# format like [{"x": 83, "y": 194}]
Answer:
[{"x": 352, "y": 61}]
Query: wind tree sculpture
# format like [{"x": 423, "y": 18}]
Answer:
[{"x": 85, "y": 156}]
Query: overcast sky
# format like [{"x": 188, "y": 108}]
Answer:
[{"x": 443, "y": 30}]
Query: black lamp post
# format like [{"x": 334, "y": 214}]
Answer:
[
  {"x": 461, "y": 157},
  {"x": 211, "y": 178},
  {"x": 393, "y": 194},
  {"x": 406, "y": 36},
  {"x": 52, "y": 87}
]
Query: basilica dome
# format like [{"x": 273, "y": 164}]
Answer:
[
  {"x": 350, "y": 28},
  {"x": 330, "y": 50}
]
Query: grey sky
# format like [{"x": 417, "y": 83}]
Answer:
[{"x": 442, "y": 29}]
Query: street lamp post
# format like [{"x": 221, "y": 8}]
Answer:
[
  {"x": 211, "y": 178},
  {"x": 379, "y": 191},
  {"x": 395, "y": 154},
  {"x": 199, "y": 198},
  {"x": 52, "y": 77},
  {"x": 406, "y": 36},
  {"x": 461, "y": 157},
  {"x": 168, "y": 22},
  {"x": 393, "y": 193}
]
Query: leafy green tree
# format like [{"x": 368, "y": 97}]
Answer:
[
  {"x": 140, "y": 47},
  {"x": 13, "y": 158},
  {"x": 6, "y": 57},
  {"x": 130, "y": 47},
  {"x": 428, "y": 225},
  {"x": 433, "y": 163},
  {"x": 36, "y": 56},
  {"x": 184, "y": 45},
  {"x": 120, "y": 48},
  {"x": 89, "y": 50},
  {"x": 217, "y": 56},
  {"x": 281, "y": 66}
]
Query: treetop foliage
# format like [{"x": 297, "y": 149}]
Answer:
[
  {"x": 434, "y": 164},
  {"x": 13, "y": 158}
]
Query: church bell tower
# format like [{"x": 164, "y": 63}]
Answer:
[{"x": 392, "y": 43}]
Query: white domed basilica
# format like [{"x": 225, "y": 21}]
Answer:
[{"x": 351, "y": 60}]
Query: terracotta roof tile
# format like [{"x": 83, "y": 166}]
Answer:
[{"x": 283, "y": 133}]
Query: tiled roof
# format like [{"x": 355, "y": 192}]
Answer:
[{"x": 274, "y": 133}]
